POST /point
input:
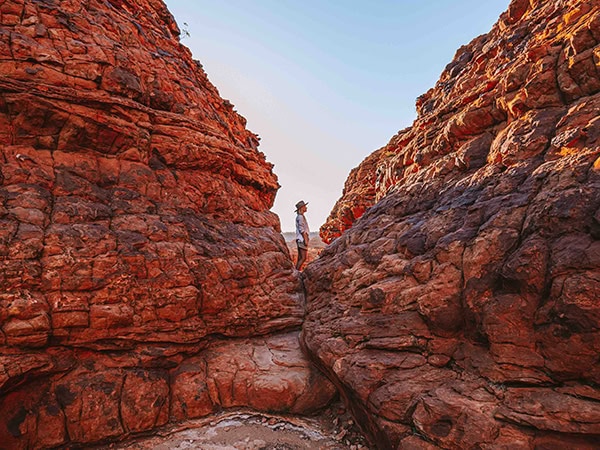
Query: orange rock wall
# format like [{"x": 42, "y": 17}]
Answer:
[
  {"x": 540, "y": 56},
  {"x": 134, "y": 228},
  {"x": 461, "y": 310}
]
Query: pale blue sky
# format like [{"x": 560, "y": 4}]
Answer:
[{"x": 325, "y": 83}]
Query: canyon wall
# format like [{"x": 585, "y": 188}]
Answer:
[
  {"x": 143, "y": 278},
  {"x": 461, "y": 310}
]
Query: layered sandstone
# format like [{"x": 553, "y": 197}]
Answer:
[
  {"x": 461, "y": 310},
  {"x": 135, "y": 234}
]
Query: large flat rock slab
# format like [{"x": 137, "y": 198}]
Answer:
[{"x": 97, "y": 397}]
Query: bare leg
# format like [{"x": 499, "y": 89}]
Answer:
[{"x": 302, "y": 253}]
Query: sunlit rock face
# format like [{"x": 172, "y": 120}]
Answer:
[
  {"x": 462, "y": 309},
  {"x": 134, "y": 228}
]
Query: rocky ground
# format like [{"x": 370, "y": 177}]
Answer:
[{"x": 332, "y": 429}]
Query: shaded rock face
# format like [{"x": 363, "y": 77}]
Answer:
[
  {"x": 462, "y": 309},
  {"x": 134, "y": 229}
]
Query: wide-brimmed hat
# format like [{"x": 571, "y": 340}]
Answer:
[{"x": 300, "y": 204}]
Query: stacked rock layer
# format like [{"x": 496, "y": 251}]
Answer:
[
  {"x": 135, "y": 234},
  {"x": 462, "y": 309}
]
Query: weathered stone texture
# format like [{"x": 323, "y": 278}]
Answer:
[
  {"x": 462, "y": 309},
  {"x": 134, "y": 225},
  {"x": 114, "y": 394},
  {"x": 119, "y": 212}
]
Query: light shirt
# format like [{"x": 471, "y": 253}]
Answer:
[{"x": 301, "y": 227}]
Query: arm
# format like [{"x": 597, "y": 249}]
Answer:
[
  {"x": 304, "y": 231},
  {"x": 306, "y": 238}
]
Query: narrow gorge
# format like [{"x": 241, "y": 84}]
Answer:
[{"x": 145, "y": 283}]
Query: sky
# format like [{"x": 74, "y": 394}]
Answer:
[{"x": 324, "y": 83}]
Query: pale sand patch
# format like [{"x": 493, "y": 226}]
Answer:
[{"x": 245, "y": 430}]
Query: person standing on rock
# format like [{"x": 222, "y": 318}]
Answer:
[{"x": 302, "y": 234}]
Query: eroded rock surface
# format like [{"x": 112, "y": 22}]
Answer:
[
  {"x": 462, "y": 309},
  {"x": 114, "y": 394},
  {"x": 134, "y": 231}
]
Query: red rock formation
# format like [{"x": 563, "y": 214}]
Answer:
[
  {"x": 358, "y": 195},
  {"x": 134, "y": 227},
  {"x": 103, "y": 395},
  {"x": 461, "y": 310}
]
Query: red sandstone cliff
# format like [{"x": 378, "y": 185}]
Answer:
[
  {"x": 462, "y": 309},
  {"x": 134, "y": 232}
]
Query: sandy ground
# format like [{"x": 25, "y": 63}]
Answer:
[{"x": 333, "y": 429}]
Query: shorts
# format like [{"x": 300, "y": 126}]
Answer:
[{"x": 301, "y": 244}]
